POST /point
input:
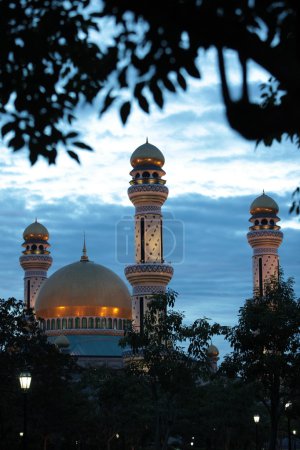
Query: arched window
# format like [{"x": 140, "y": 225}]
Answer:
[
  {"x": 52, "y": 324},
  {"x": 33, "y": 247},
  {"x": 41, "y": 248},
  {"x": 264, "y": 222},
  {"x": 146, "y": 175},
  {"x": 256, "y": 222},
  {"x": 97, "y": 322},
  {"x": 155, "y": 175},
  {"x": 120, "y": 324},
  {"x": 103, "y": 323},
  {"x": 91, "y": 322},
  {"x": 64, "y": 324},
  {"x": 77, "y": 322},
  {"x": 48, "y": 324},
  {"x": 84, "y": 322},
  {"x": 70, "y": 322},
  {"x": 115, "y": 324},
  {"x": 137, "y": 175},
  {"x": 272, "y": 222},
  {"x": 58, "y": 324},
  {"x": 109, "y": 323}
]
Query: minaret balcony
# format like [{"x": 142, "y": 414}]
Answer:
[
  {"x": 265, "y": 238},
  {"x": 149, "y": 274}
]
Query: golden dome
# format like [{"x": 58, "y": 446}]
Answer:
[
  {"x": 147, "y": 154},
  {"x": 83, "y": 289},
  {"x": 264, "y": 204},
  {"x": 212, "y": 351},
  {"x": 36, "y": 231}
]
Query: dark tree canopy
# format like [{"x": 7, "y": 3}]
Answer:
[
  {"x": 266, "y": 344},
  {"x": 54, "y": 56}
]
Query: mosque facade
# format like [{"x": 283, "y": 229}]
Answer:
[{"x": 85, "y": 308}]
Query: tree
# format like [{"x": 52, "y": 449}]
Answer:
[
  {"x": 54, "y": 57},
  {"x": 169, "y": 371},
  {"x": 52, "y": 398},
  {"x": 266, "y": 344}
]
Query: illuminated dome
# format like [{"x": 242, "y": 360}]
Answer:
[
  {"x": 36, "y": 231},
  {"x": 147, "y": 154},
  {"x": 212, "y": 351},
  {"x": 83, "y": 289},
  {"x": 264, "y": 204}
]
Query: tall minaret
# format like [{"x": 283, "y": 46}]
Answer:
[
  {"x": 265, "y": 238},
  {"x": 149, "y": 275},
  {"x": 35, "y": 260}
]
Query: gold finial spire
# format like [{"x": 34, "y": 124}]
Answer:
[
  {"x": 263, "y": 192},
  {"x": 84, "y": 256},
  {"x": 36, "y": 220},
  {"x": 147, "y": 140}
]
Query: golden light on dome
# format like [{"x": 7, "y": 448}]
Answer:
[{"x": 84, "y": 311}]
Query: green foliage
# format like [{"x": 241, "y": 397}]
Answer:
[
  {"x": 266, "y": 345},
  {"x": 57, "y": 55}
]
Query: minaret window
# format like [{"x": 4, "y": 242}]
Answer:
[
  {"x": 264, "y": 222},
  {"x": 52, "y": 324},
  {"x": 48, "y": 324},
  {"x": 260, "y": 275},
  {"x": 33, "y": 247},
  {"x": 137, "y": 175},
  {"x": 84, "y": 323},
  {"x": 142, "y": 239},
  {"x": 146, "y": 175},
  {"x": 109, "y": 324},
  {"x": 256, "y": 222},
  {"x": 70, "y": 323},
  {"x": 155, "y": 175},
  {"x": 272, "y": 222},
  {"x": 58, "y": 324},
  {"x": 91, "y": 322},
  {"x": 77, "y": 322}
]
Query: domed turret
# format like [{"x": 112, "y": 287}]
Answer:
[
  {"x": 263, "y": 204},
  {"x": 36, "y": 231},
  {"x": 147, "y": 154},
  {"x": 35, "y": 261},
  {"x": 264, "y": 237},
  {"x": 212, "y": 351},
  {"x": 150, "y": 274},
  {"x": 213, "y": 356}
]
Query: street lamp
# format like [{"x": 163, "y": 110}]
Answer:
[
  {"x": 287, "y": 408},
  {"x": 115, "y": 435},
  {"x": 256, "y": 421},
  {"x": 295, "y": 439},
  {"x": 25, "y": 381}
]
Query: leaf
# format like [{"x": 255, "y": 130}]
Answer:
[
  {"x": 143, "y": 102},
  {"x": 107, "y": 102},
  {"x": 73, "y": 155},
  {"x": 192, "y": 70},
  {"x": 7, "y": 128},
  {"x": 83, "y": 146},
  {"x": 157, "y": 94},
  {"x": 125, "y": 111},
  {"x": 71, "y": 135},
  {"x": 17, "y": 142},
  {"x": 169, "y": 85},
  {"x": 181, "y": 81}
]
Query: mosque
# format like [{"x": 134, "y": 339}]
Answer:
[{"x": 85, "y": 308}]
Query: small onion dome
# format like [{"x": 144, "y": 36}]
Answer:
[
  {"x": 212, "y": 351},
  {"x": 36, "y": 231},
  {"x": 264, "y": 204},
  {"x": 83, "y": 289},
  {"x": 62, "y": 341},
  {"x": 147, "y": 154}
]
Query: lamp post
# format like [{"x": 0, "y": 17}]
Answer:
[
  {"x": 287, "y": 408},
  {"x": 25, "y": 381},
  {"x": 295, "y": 439},
  {"x": 256, "y": 421},
  {"x": 115, "y": 435}
]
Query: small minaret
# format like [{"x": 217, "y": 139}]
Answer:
[
  {"x": 213, "y": 357},
  {"x": 264, "y": 237},
  {"x": 148, "y": 192},
  {"x": 35, "y": 260}
]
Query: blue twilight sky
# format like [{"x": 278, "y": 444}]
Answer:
[{"x": 213, "y": 175}]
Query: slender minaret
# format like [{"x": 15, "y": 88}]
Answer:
[
  {"x": 35, "y": 260},
  {"x": 149, "y": 275},
  {"x": 264, "y": 237}
]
